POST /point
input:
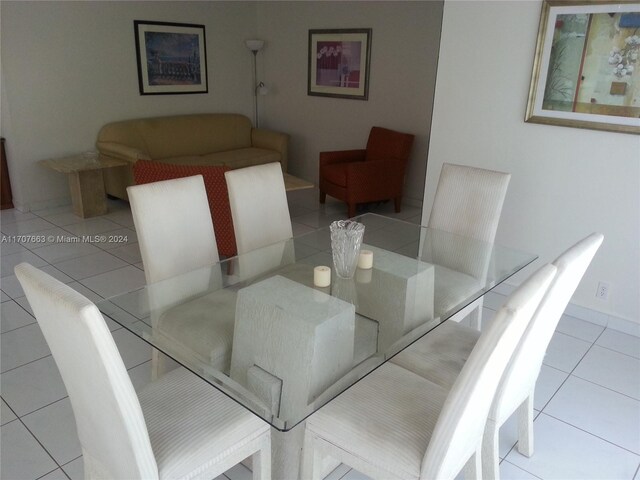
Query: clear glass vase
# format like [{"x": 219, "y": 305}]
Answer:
[{"x": 346, "y": 239}]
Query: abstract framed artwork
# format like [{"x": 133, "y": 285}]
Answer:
[
  {"x": 586, "y": 71},
  {"x": 172, "y": 58},
  {"x": 339, "y": 63}
]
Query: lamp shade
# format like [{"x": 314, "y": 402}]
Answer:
[{"x": 254, "y": 45}]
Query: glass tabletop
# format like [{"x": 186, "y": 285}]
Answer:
[{"x": 255, "y": 326}]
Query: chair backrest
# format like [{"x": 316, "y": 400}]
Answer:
[
  {"x": 384, "y": 144},
  {"x": 109, "y": 419},
  {"x": 520, "y": 376},
  {"x": 259, "y": 206},
  {"x": 469, "y": 201},
  {"x": 148, "y": 171},
  {"x": 458, "y": 432},
  {"x": 174, "y": 227},
  {"x": 463, "y": 254}
]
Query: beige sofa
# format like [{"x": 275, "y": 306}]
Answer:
[{"x": 202, "y": 139}]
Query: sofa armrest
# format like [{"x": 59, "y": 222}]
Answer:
[
  {"x": 271, "y": 140},
  {"x": 123, "y": 152}
]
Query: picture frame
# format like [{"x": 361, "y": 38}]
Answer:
[
  {"x": 172, "y": 58},
  {"x": 339, "y": 63},
  {"x": 586, "y": 70}
]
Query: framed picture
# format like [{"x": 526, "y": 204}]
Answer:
[
  {"x": 586, "y": 71},
  {"x": 172, "y": 58},
  {"x": 339, "y": 63}
]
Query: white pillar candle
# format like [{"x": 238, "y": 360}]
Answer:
[
  {"x": 365, "y": 260},
  {"x": 322, "y": 276}
]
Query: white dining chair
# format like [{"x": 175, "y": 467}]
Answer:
[
  {"x": 440, "y": 356},
  {"x": 176, "y": 427},
  {"x": 394, "y": 424},
  {"x": 176, "y": 236},
  {"x": 259, "y": 208},
  {"x": 468, "y": 203},
  {"x": 174, "y": 227}
]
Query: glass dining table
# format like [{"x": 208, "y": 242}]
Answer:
[{"x": 256, "y": 328}]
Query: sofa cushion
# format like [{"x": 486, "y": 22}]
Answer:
[
  {"x": 181, "y": 135},
  {"x": 243, "y": 157},
  {"x": 145, "y": 171},
  {"x": 185, "y": 135}
]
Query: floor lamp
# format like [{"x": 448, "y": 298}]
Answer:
[{"x": 258, "y": 87}]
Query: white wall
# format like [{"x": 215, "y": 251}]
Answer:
[
  {"x": 70, "y": 67},
  {"x": 566, "y": 182},
  {"x": 402, "y": 77}
]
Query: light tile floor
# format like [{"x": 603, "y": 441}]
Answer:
[{"x": 587, "y": 398}]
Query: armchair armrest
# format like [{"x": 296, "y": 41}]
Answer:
[
  {"x": 342, "y": 156},
  {"x": 123, "y": 152},
  {"x": 272, "y": 140}
]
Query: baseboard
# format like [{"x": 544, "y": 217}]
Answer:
[
  {"x": 44, "y": 204},
  {"x": 625, "y": 326},
  {"x": 47, "y": 204},
  {"x": 587, "y": 314},
  {"x": 20, "y": 207},
  {"x": 412, "y": 202}
]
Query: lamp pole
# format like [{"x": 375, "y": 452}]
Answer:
[
  {"x": 255, "y": 46},
  {"x": 255, "y": 87}
]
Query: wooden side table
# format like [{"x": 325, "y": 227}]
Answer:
[
  {"x": 86, "y": 182},
  {"x": 295, "y": 183}
]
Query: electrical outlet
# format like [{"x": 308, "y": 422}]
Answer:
[{"x": 603, "y": 291}]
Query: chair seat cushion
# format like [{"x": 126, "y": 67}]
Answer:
[
  {"x": 335, "y": 173},
  {"x": 146, "y": 171},
  {"x": 440, "y": 355},
  {"x": 452, "y": 287},
  {"x": 191, "y": 424},
  {"x": 190, "y": 326},
  {"x": 387, "y": 419}
]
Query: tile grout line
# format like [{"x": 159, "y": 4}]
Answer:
[
  {"x": 636, "y": 454},
  {"x": 41, "y": 445},
  {"x": 618, "y": 351},
  {"x": 571, "y": 372},
  {"x": 55, "y": 401},
  {"x": 79, "y": 280},
  {"x": 517, "y": 466},
  {"x": 63, "y": 470},
  {"x": 10, "y": 408},
  {"x": 39, "y": 408},
  {"x": 557, "y": 389},
  {"x": 30, "y": 361},
  {"x": 593, "y": 383}
]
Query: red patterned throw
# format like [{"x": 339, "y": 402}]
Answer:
[{"x": 145, "y": 171}]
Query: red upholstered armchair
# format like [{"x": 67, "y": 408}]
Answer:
[
  {"x": 370, "y": 175},
  {"x": 145, "y": 171}
]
